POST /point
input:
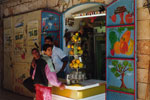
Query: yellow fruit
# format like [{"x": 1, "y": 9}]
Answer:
[
  {"x": 74, "y": 37},
  {"x": 79, "y": 48},
  {"x": 72, "y": 46},
  {"x": 69, "y": 46},
  {"x": 75, "y": 40},
  {"x": 73, "y": 61},
  {"x": 71, "y": 65},
  {"x": 77, "y": 61},
  {"x": 80, "y": 52},
  {"x": 81, "y": 65},
  {"x": 79, "y": 39},
  {"x": 77, "y": 34},
  {"x": 71, "y": 52},
  {"x": 75, "y": 65},
  {"x": 130, "y": 47}
]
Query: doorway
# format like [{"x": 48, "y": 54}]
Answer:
[{"x": 89, "y": 20}]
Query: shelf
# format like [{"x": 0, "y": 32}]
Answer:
[{"x": 96, "y": 15}]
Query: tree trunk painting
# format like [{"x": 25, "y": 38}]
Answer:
[{"x": 122, "y": 80}]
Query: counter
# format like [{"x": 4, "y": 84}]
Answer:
[{"x": 87, "y": 90}]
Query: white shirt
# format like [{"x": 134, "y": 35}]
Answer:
[{"x": 57, "y": 56}]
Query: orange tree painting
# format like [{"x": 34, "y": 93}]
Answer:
[{"x": 121, "y": 41}]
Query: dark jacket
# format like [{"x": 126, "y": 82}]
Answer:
[{"x": 40, "y": 75}]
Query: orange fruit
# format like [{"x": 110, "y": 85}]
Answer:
[
  {"x": 77, "y": 61},
  {"x": 79, "y": 48},
  {"x": 123, "y": 47},
  {"x": 117, "y": 47},
  {"x": 71, "y": 52},
  {"x": 125, "y": 37}
]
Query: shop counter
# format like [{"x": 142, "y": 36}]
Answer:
[{"x": 87, "y": 90}]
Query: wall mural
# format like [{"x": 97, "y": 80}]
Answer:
[
  {"x": 119, "y": 72},
  {"x": 120, "y": 49},
  {"x": 50, "y": 22},
  {"x": 121, "y": 13},
  {"x": 120, "y": 41}
]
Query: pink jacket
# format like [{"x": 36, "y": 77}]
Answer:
[{"x": 52, "y": 77}]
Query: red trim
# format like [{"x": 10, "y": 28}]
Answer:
[
  {"x": 121, "y": 59},
  {"x": 111, "y": 3},
  {"x": 120, "y": 26},
  {"x": 120, "y": 92},
  {"x": 52, "y": 12}
]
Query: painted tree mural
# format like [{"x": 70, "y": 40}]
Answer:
[{"x": 120, "y": 69}]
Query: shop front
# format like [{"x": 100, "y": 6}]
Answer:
[
  {"x": 100, "y": 41},
  {"x": 83, "y": 40}
]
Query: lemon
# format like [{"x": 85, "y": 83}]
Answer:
[
  {"x": 77, "y": 34},
  {"x": 80, "y": 65},
  {"x": 75, "y": 40},
  {"x": 80, "y": 52},
  {"x": 75, "y": 65},
  {"x": 69, "y": 46},
  {"x": 72, "y": 46},
  {"x": 79, "y": 39},
  {"x": 77, "y": 61}
]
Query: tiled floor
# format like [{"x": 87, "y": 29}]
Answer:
[{"x": 6, "y": 95}]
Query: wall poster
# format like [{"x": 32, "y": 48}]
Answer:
[{"x": 32, "y": 33}]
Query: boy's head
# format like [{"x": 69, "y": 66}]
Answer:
[
  {"x": 47, "y": 48},
  {"x": 36, "y": 54},
  {"x": 48, "y": 40}
]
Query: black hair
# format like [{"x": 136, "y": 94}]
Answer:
[
  {"x": 49, "y": 38},
  {"x": 35, "y": 49},
  {"x": 45, "y": 46}
]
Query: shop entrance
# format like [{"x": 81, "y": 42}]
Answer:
[{"x": 89, "y": 21}]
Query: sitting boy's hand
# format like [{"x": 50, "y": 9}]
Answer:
[{"x": 62, "y": 87}]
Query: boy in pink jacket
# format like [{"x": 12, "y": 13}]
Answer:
[
  {"x": 43, "y": 92},
  {"x": 50, "y": 68}
]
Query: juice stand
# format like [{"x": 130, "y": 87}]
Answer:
[
  {"x": 83, "y": 35},
  {"x": 101, "y": 45}
]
